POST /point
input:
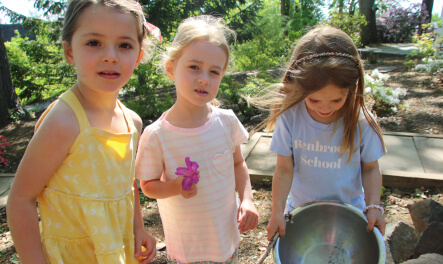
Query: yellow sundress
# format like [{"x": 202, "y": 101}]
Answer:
[{"x": 87, "y": 208}]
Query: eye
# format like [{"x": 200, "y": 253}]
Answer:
[
  {"x": 126, "y": 46},
  {"x": 93, "y": 43},
  {"x": 194, "y": 67},
  {"x": 313, "y": 101},
  {"x": 215, "y": 72},
  {"x": 337, "y": 101}
]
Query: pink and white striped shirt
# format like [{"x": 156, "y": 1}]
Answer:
[{"x": 204, "y": 227}]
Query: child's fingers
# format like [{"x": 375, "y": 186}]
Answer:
[
  {"x": 250, "y": 222},
  {"x": 151, "y": 251}
]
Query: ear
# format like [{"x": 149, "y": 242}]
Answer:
[
  {"x": 170, "y": 69},
  {"x": 140, "y": 56},
  {"x": 67, "y": 50}
]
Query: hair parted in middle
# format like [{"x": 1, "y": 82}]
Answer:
[
  {"x": 325, "y": 55},
  {"x": 76, "y": 8},
  {"x": 202, "y": 27}
]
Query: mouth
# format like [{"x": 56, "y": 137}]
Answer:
[
  {"x": 324, "y": 114},
  {"x": 109, "y": 74},
  {"x": 201, "y": 91}
]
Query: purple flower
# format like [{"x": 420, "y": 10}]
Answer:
[{"x": 190, "y": 173}]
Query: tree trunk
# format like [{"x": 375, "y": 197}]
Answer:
[
  {"x": 8, "y": 97},
  {"x": 368, "y": 31},
  {"x": 426, "y": 13}
]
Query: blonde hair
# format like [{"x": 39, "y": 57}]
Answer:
[
  {"x": 76, "y": 7},
  {"x": 324, "y": 55},
  {"x": 203, "y": 27}
]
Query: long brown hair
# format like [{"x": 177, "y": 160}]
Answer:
[{"x": 325, "y": 55}]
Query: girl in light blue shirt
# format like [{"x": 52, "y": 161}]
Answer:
[{"x": 327, "y": 142}]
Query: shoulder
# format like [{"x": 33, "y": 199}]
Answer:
[
  {"x": 60, "y": 118},
  {"x": 59, "y": 126},
  {"x": 151, "y": 131},
  {"x": 223, "y": 112},
  {"x": 138, "y": 123}
]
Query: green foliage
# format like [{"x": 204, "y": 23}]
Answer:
[
  {"x": 268, "y": 46},
  {"x": 386, "y": 100},
  {"x": 426, "y": 44},
  {"x": 167, "y": 14},
  {"x": 301, "y": 15},
  {"x": 148, "y": 93},
  {"x": 234, "y": 88},
  {"x": 351, "y": 24},
  {"x": 428, "y": 58},
  {"x": 37, "y": 66}
]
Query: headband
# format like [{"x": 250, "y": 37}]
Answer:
[{"x": 325, "y": 54}]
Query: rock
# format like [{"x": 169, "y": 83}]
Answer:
[
  {"x": 400, "y": 240},
  {"x": 423, "y": 213},
  {"x": 431, "y": 241},
  {"x": 426, "y": 259},
  {"x": 160, "y": 246}
]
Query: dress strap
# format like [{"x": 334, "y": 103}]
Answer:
[
  {"x": 128, "y": 117},
  {"x": 69, "y": 98}
]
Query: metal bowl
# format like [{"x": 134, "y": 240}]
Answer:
[{"x": 329, "y": 232}]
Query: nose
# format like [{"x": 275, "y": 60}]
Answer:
[
  {"x": 203, "y": 78},
  {"x": 110, "y": 55},
  {"x": 325, "y": 107}
]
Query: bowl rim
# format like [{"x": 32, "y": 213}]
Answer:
[{"x": 378, "y": 235}]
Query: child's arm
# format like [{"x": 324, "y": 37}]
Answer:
[
  {"x": 281, "y": 185},
  {"x": 141, "y": 236},
  {"x": 247, "y": 214},
  {"x": 45, "y": 153},
  {"x": 372, "y": 184},
  {"x": 158, "y": 189}
]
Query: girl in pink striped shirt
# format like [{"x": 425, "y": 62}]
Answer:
[{"x": 202, "y": 224}]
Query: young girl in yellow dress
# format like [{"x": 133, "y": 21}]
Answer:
[{"x": 80, "y": 162}]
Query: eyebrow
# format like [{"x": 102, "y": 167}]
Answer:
[
  {"x": 94, "y": 34},
  {"x": 197, "y": 61}
]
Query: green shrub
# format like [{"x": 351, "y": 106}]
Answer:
[{"x": 351, "y": 24}]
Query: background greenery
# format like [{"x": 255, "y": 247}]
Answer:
[{"x": 266, "y": 32}]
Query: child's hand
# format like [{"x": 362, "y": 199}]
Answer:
[
  {"x": 145, "y": 255},
  {"x": 247, "y": 216},
  {"x": 276, "y": 224},
  {"x": 375, "y": 218},
  {"x": 185, "y": 193}
]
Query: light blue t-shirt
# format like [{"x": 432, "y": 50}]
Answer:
[{"x": 320, "y": 173}]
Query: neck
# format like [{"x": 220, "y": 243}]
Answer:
[
  {"x": 94, "y": 100},
  {"x": 188, "y": 117}
]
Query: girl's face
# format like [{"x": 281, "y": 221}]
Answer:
[
  {"x": 104, "y": 49},
  {"x": 324, "y": 103},
  {"x": 197, "y": 73}
]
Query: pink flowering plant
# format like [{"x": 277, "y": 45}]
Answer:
[
  {"x": 189, "y": 172},
  {"x": 3, "y": 145}
]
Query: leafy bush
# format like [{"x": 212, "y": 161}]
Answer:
[
  {"x": 349, "y": 24},
  {"x": 38, "y": 69},
  {"x": 3, "y": 146},
  {"x": 386, "y": 100},
  {"x": 427, "y": 58},
  {"x": 268, "y": 45},
  {"x": 148, "y": 92},
  {"x": 397, "y": 24},
  {"x": 234, "y": 88}
]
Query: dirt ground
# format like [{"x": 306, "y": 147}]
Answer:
[{"x": 424, "y": 115}]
